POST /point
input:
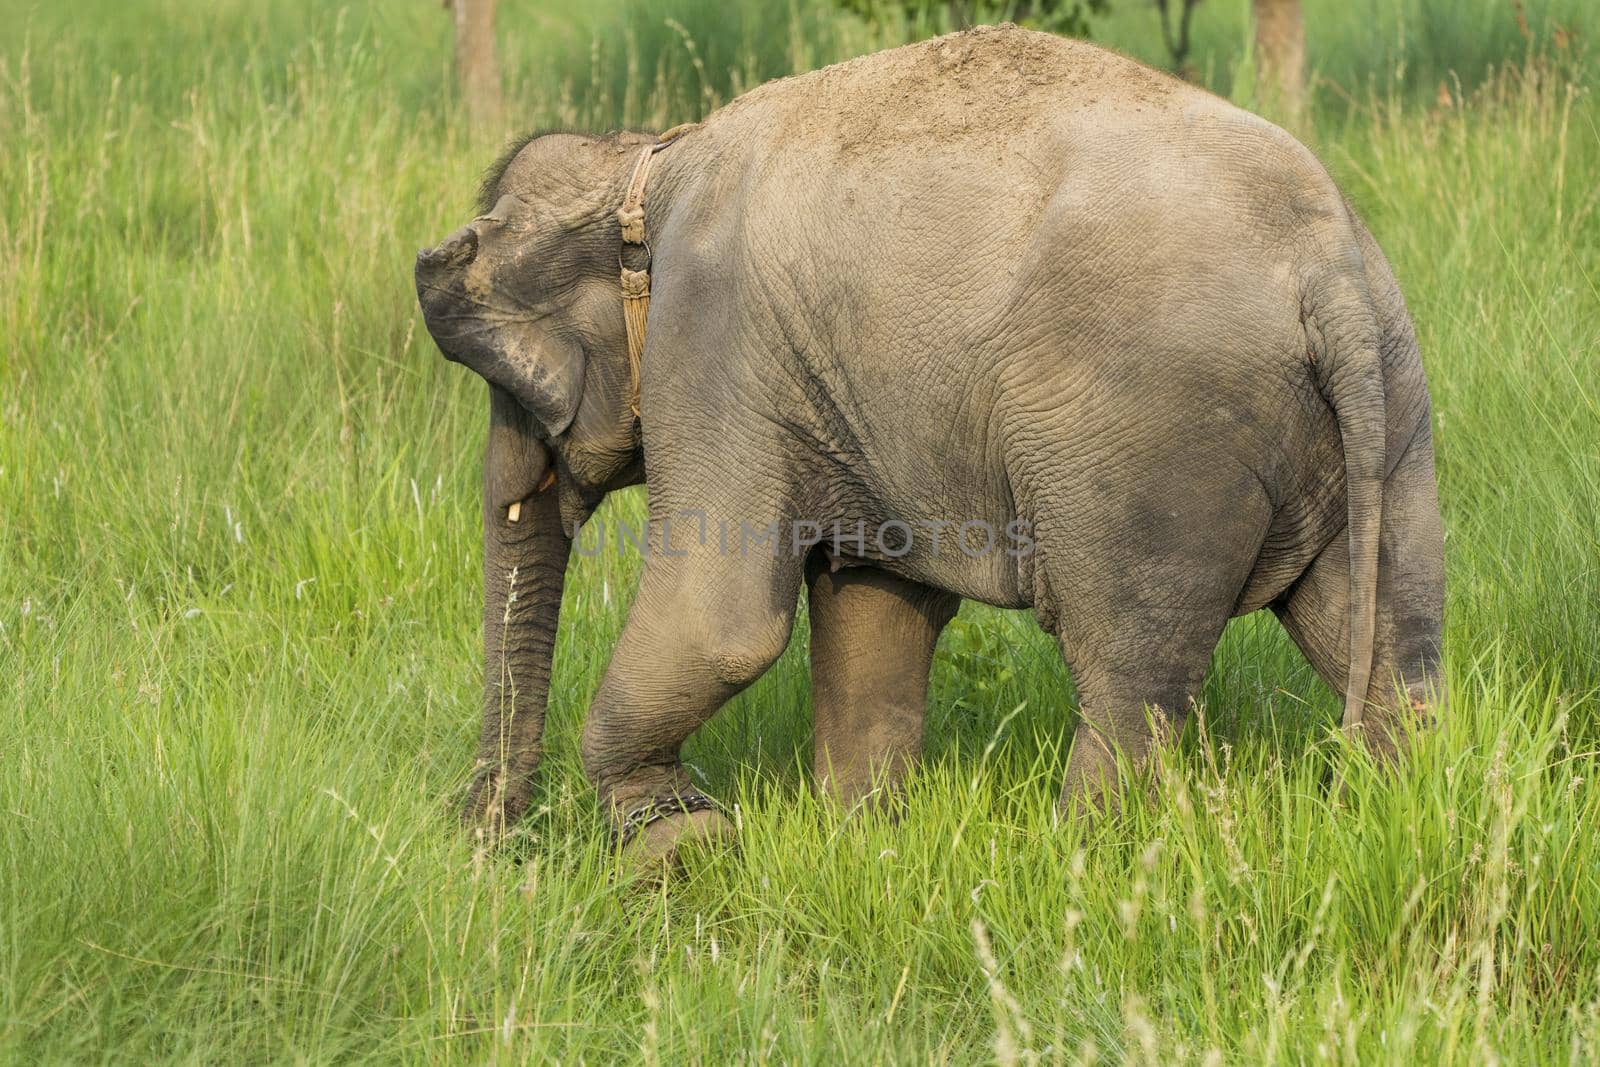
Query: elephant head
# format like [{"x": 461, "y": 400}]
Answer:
[
  {"x": 491, "y": 294},
  {"x": 526, "y": 295}
]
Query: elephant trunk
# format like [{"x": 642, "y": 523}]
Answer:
[{"x": 525, "y": 553}]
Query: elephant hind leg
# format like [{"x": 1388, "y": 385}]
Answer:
[
  {"x": 1138, "y": 655},
  {"x": 872, "y": 641},
  {"x": 1145, "y": 585},
  {"x": 1135, "y": 694},
  {"x": 1407, "y": 686}
]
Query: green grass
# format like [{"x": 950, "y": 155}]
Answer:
[{"x": 238, "y": 620}]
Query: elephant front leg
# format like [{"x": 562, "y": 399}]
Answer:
[
  {"x": 872, "y": 643},
  {"x": 702, "y": 628}
]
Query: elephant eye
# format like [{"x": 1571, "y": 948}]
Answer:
[{"x": 502, "y": 210}]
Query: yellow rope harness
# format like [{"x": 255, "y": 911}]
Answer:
[{"x": 636, "y": 283}]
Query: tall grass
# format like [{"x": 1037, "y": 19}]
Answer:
[
  {"x": 1394, "y": 48},
  {"x": 238, "y": 677}
]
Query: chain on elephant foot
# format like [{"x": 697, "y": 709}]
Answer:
[{"x": 652, "y": 834}]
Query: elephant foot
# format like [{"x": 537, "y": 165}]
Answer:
[
  {"x": 653, "y": 834},
  {"x": 863, "y": 797},
  {"x": 1093, "y": 786},
  {"x": 1389, "y": 725},
  {"x": 1089, "y": 805},
  {"x": 495, "y": 803}
]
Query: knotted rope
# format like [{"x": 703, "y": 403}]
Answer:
[{"x": 636, "y": 283}]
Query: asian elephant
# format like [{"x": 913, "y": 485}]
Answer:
[{"x": 997, "y": 280}]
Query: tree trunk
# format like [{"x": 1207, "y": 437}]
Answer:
[
  {"x": 525, "y": 553},
  {"x": 477, "y": 64},
  {"x": 1280, "y": 55}
]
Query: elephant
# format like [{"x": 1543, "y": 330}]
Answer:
[{"x": 997, "y": 279}]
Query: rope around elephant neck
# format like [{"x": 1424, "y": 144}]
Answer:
[{"x": 636, "y": 283}]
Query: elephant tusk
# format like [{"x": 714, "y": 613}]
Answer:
[{"x": 514, "y": 509}]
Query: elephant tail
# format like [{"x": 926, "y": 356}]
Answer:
[{"x": 1341, "y": 328}]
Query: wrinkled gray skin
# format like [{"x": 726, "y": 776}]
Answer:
[{"x": 995, "y": 276}]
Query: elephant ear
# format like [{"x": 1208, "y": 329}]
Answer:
[
  {"x": 515, "y": 464},
  {"x": 548, "y": 381},
  {"x": 550, "y": 384}
]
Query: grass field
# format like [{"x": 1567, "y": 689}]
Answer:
[{"x": 239, "y": 587}]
